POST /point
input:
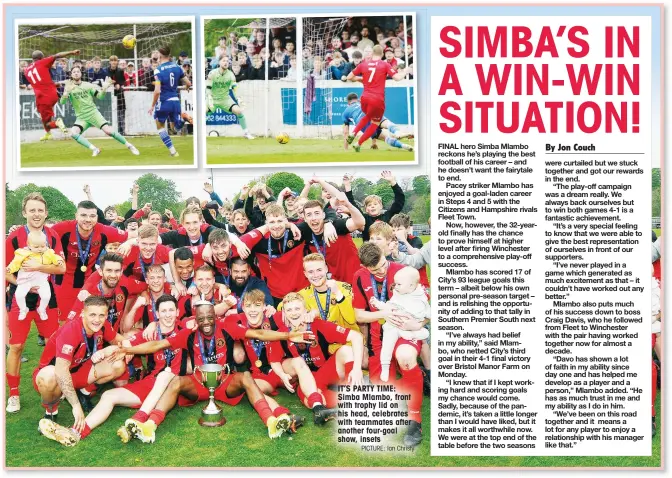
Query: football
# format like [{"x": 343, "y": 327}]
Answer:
[
  {"x": 282, "y": 138},
  {"x": 128, "y": 42}
]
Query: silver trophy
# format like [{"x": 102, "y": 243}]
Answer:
[{"x": 212, "y": 376}]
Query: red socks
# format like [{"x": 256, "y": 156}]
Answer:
[
  {"x": 13, "y": 382},
  {"x": 360, "y": 126},
  {"x": 86, "y": 432},
  {"x": 368, "y": 133},
  {"x": 157, "y": 416},
  {"x": 280, "y": 411},
  {"x": 140, "y": 416},
  {"x": 411, "y": 382},
  {"x": 314, "y": 399},
  {"x": 262, "y": 408},
  {"x": 51, "y": 408}
]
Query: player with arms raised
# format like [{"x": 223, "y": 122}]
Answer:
[
  {"x": 166, "y": 100},
  {"x": 81, "y": 94},
  {"x": 372, "y": 73},
  {"x": 38, "y": 75},
  {"x": 220, "y": 93}
]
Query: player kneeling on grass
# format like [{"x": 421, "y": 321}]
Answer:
[
  {"x": 220, "y": 92},
  {"x": 166, "y": 100},
  {"x": 314, "y": 359},
  {"x": 74, "y": 358},
  {"x": 212, "y": 343},
  {"x": 162, "y": 367},
  {"x": 81, "y": 95}
]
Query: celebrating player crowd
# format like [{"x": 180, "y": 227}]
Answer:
[{"x": 276, "y": 291}]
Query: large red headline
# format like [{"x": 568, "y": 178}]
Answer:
[{"x": 517, "y": 78}]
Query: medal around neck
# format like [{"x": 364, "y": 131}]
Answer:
[{"x": 212, "y": 376}]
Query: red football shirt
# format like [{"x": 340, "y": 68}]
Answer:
[
  {"x": 101, "y": 235},
  {"x": 315, "y": 354},
  {"x": 283, "y": 268},
  {"x": 259, "y": 353},
  {"x": 135, "y": 265},
  {"x": 363, "y": 291},
  {"x": 218, "y": 348},
  {"x": 374, "y": 73},
  {"x": 223, "y": 268},
  {"x": 71, "y": 343},
  {"x": 116, "y": 300},
  {"x": 342, "y": 258},
  {"x": 39, "y": 76},
  {"x": 174, "y": 357}
]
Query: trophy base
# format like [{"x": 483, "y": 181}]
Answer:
[{"x": 208, "y": 423}]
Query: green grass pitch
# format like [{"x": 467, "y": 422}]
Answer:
[
  {"x": 242, "y": 442},
  {"x": 68, "y": 153},
  {"x": 238, "y": 150}
]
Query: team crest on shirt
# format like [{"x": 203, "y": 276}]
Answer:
[
  {"x": 290, "y": 243},
  {"x": 266, "y": 325},
  {"x": 119, "y": 298},
  {"x": 95, "y": 243},
  {"x": 67, "y": 349},
  {"x": 220, "y": 342},
  {"x": 333, "y": 301}
]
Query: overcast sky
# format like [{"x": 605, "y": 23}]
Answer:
[{"x": 112, "y": 187}]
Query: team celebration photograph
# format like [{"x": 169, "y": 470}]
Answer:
[
  {"x": 224, "y": 312},
  {"x": 304, "y": 90},
  {"x": 98, "y": 93}
]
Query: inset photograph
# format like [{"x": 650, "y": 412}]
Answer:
[
  {"x": 106, "y": 93},
  {"x": 302, "y": 90}
]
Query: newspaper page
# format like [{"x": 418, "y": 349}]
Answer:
[{"x": 344, "y": 236}]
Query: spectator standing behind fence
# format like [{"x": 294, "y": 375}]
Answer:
[
  {"x": 278, "y": 69},
  {"x": 58, "y": 76},
  {"x": 365, "y": 41},
  {"x": 243, "y": 60},
  {"x": 182, "y": 58},
  {"x": 118, "y": 78},
  {"x": 240, "y": 73},
  {"x": 290, "y": 51},
  {"x": 186, "y": 68},
  {"x": 130, "y": 75},
  {"x": 24, "y": 84},
  {"x": 145, "y": 74},
  {"x": 336, "y": 46},
  {"x": 96, "y": 74},
  {"x": 259, "y": 41},
  {"x": 257, "y": 70},
  {"x": 354, "y": 45},
  {"x": 220, "y": 49},
  {"x": 307, "y": 62}
]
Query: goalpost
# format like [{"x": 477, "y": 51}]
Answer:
[
  {"x": 128, "y": 110},
  {"x": 308, "y": 102}
]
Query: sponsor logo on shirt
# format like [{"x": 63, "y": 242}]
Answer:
[{"x": 67, "y": 349}]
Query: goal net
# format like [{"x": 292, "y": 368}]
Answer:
[
  {"x": 127, "y": 108},
  {"x": 318, "y": 94},
  {"x": 249, "y": 44},
  {"x": 294, "y": 89}
]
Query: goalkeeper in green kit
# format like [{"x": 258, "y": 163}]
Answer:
[
  {"x": 81, "y": 95},
  {"x": 220, "y": 93}
]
